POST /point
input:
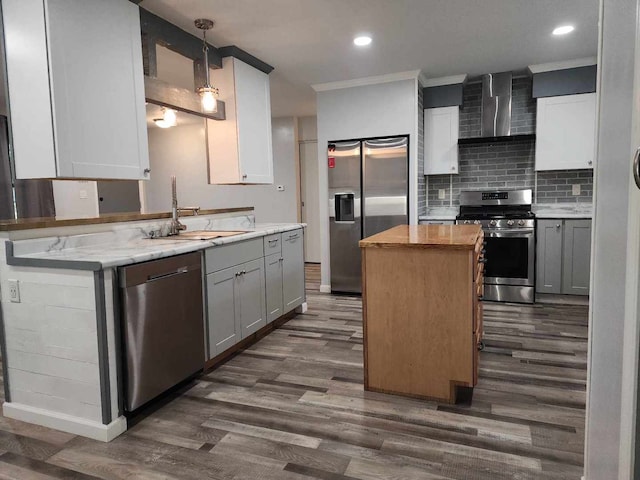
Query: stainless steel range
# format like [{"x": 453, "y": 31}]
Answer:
[{"x": 510, "y": 233}]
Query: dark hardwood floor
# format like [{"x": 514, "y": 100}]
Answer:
[{"x": 293, "y": 406}]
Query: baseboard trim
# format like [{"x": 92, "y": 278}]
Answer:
[
  {"x": 325, "y": 288},
  {"x": 65, "y": 423}
]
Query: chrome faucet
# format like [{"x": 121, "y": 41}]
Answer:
[{"x": 176, "y": 225}]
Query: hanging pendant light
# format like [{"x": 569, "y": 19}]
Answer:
[
  {"x": 169, "y": 118},
  {"x": 208, "y": 94}
]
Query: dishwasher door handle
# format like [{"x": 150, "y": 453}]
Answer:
[{"x": 179, "y": 271}]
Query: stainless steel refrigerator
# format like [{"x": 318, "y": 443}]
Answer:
[{"x": 368, "y": 193}]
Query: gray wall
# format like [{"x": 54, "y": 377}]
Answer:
[
  {"x": 510, "y": 165},
  {"x": 181, "y": 151}
]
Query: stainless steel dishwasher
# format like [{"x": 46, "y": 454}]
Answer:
[{"x": 163, "y": 326}]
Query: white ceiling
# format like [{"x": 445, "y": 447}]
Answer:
[{"x": 310, "y": 41}]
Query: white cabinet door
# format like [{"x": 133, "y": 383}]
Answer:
[
  {"x": 79, "y": 89},
  {"x": 253, "y": 111},
  {"x": 441, "y": 130},
  {"x": 565, "y": 132},
  {"x": 239, "y": 147}
]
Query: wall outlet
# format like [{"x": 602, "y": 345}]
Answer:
[
  {"x": 280, "y": 188},
  {"x": 14, "y": 291},
  {"x": 441, "y": 194},
  {"x": 575, "y": 189}
]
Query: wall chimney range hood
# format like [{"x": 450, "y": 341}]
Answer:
[{"x": 496, "y": 111}]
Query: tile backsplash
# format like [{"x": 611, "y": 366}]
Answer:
[{"x": 508, "y": 165}]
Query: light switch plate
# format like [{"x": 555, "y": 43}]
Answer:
[
  {"x": 575, "y": 189},
  {"x": 441, "y": 194},
  {"x": 280, "y": 188},
  {"x": 14, "y": 291}
]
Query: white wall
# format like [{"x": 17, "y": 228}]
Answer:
[
  {"x": 610, "y": 226},
  {"x": 75, "y": 199},
  {"x": 383, "y": 109},
  {"x": 307, "y": 128},
  {"x": 181, "y": 151}
]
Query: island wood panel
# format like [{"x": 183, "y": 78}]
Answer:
[{"x": 418, "y": 320}]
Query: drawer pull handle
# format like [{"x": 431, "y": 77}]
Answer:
[
  {"x": 291, "y": 237},
  {"x": 273, "y": 241},
  {"x": 482, "y": 260}
]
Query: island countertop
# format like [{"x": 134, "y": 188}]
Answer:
[{"x": 463, "y": 237}]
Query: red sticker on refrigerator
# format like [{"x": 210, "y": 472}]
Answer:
[{"x": 332, "y": 162}]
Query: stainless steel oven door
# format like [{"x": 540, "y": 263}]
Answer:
[{"x": 510, "y": 256}]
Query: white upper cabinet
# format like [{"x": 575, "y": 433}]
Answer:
[
  {"x": 240, "y": 146},
  {"x": 76, "y": 89},
  {"x": 565, "y": 132},
  {"x": 441, "y": 131}
]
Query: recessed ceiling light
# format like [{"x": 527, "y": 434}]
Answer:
[
  {"x": 563, "y": 29},
  {"x": 362, "y": 41}
]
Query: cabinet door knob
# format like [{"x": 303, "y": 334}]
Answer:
[
  {"x": 557, "y": 225},
  {"x": 482, "y": 260},
  {"x": 244, "y": 175},
  {"x": 590, "y": 162},
  {"x": 146, "y": 171}
]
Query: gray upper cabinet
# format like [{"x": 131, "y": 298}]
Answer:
[
  {"x": 576, "y": 257},
  {"x": 563, "y": 256},
  {"x": 549, "y": 256},
  {"x": 273, "y": 274},
  {"x": 292, "y": 269},
  {"x": 76, "y": 84}
]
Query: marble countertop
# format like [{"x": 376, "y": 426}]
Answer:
[
  {"x": 542, "y": 210},
  {"x": 52, "y": 222},
  {"x": 426, "y": 236},
  {"x": 101, "y": 256},
  {"x": 563, "y": 210}
]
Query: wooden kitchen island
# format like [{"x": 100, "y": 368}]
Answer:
[{"x": 422, "y": 305}]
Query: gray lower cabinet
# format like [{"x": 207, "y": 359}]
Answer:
[
  {"x": 222, "y": 310},
  {"x": 250, "y": 284},
  {"x": 549, "y": 256},
  {"x": 292, "y": 269},
  {"x": 273, "y": 275},
  {"x": 576, "y": 257},
  {"x": 235, "y": 304},
  {"x": 563, "y": 256},
  {"x": 251, "y": 297}
]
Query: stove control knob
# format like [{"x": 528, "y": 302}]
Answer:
[
  {"x": 521, "y": 223},
  {"x": 476, "y": 222},
  {"x": 510, "y": 223},
  {"x": 467, "y": 222},
  {"x": 493, "y": 223}
]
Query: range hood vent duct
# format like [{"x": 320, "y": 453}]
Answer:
[{"x": 496, "y": 104}]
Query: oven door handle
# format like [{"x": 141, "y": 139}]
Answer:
[{"x": 510, "y": 232}]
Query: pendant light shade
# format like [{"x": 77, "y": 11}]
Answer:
[{"x": 208, "y": 94}]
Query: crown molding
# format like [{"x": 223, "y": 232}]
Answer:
[
  {"x": 576, "y": 63},
  {"x": 360, "y": 82},
  {"x": 440, "y": 81}
]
